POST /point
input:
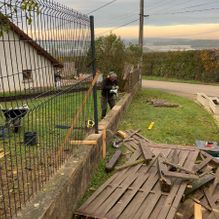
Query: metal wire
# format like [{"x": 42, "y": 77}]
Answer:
[{"x": 43, "y": 80}]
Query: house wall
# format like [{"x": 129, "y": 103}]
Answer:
[{"x": 17, "y": 55}]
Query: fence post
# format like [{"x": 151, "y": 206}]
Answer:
[{"x": 93, "y": 58}]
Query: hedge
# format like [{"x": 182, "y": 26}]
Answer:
[{"x": 201, "y": 65}]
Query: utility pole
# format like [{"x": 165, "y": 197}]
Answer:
[
  {"x": 141, "y": 25},
  {"x": 141, "y": 37}
]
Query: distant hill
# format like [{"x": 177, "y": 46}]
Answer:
[{"x": 173, "y": 43}]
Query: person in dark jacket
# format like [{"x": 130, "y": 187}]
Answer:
[{"x": 109, "y": 92}]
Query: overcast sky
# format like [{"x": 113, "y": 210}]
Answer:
[{"x": 168, "y": 18}]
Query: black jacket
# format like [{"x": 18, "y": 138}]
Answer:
[{"x": 107, "y": 86}]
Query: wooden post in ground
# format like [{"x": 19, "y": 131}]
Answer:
[{"x": 104, "y": 142}]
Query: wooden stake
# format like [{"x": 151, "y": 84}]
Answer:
[
  {"x": 104, "y": 142},
  {"x": 76, "y": 117}
]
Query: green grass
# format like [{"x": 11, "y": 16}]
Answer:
[
  {"x": 181, "y": 125},
  {"x": 158, "y": 78}
]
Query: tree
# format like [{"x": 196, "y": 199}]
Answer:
[
  {"x": 110, "y": 54},
  {"x": 10, "y": 9},
  {"x": 113, "y": 55}
]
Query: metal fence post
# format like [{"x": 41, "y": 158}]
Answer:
[{"x": 93, "y": 58}]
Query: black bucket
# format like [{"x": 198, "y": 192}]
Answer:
[{"x": 30, "y": 138}]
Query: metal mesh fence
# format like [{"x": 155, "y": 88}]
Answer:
[{"x": 44, "y": 79}]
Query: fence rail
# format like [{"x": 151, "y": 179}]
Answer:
[{"x": 44, "y": 79}]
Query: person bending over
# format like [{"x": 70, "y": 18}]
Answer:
[{"x": 109, "y": 92}]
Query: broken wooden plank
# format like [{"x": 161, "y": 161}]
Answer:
[
  {"x": 147, "y": 154},
  {"x": 200, "y": 166},
  {"x": 197, "y": 211},
  {"x": 176, "y": 166},
  {"x": 112, "y": 162},
  {"x": 172, "y": 202},
  {"x": 165, "y": 183},
  {"x": 216, "y": 182},
  {"x": 199, "y": 183},
  {"x": 182, "y": 175},
  {"x": 211, "y": 202},
  {"x": 129, "y": 164}
]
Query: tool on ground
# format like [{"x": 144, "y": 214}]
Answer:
[
  {"x": 90, "y": 123},
  {"x": 116, "y": 144},
  {"x": 151, "y": 126}
]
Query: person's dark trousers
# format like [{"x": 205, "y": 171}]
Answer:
[{"x": 107, "y": 100}]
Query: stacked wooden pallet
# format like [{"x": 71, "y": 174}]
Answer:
[
  {"x": 154, "y": 187},
  {"x": 210, "y": 103}
]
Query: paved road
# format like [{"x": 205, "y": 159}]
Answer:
[{"x": 184, "y": 89}]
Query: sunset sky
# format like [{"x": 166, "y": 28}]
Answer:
[{"x": 193, "y": 19}]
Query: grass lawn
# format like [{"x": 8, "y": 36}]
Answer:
[
  {"x": 181, "y": 125},
  {"x": 158, "y": 78}
]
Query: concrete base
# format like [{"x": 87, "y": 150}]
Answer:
[{"x": 60, "y": 196}]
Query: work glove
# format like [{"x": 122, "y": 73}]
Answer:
[{"x": 114, "y": 90}]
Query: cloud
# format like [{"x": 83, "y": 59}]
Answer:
[{"x": 192, "y": 31}]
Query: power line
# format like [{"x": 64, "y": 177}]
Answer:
[
  {"x": 193, "y": 6},
  {"x": 188, "y": 11},
  {"x": 103, "y": 6},
  {"x": 116, "y": 28}
]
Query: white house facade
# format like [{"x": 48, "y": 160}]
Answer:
[{"x": 24, "y": 64}]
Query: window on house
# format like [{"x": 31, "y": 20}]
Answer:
[{"x": 27, "y": 75}]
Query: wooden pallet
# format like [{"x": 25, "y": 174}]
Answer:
[{"x": 135, "y": 192}]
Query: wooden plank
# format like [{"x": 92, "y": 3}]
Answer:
[
  {"x": 189, "y": 163},
  {"x": 211, "y": 202},
  {"x": 199, "y": 183},
  {"x": 83, "y": 142},
  {"x": 122, "y": 134},
  {"x": 129, "y": 147},
  {"x": 138, "y": 203},
  {"x": 103, "y": 209},
  {"x": 98, "y": 198},
  {"x": 151, "y": 206},
  {"x": 165, "y": 183},
  {"x": 118, "y": 208},
  {"x": 97, "y": 193},
  {"x": 216, "y": 182},
  {"x": 147, "y": 154},
  {"x": 197, "y": 211},
  {"x": 104, "y": 142},
  {"x": 129, "y": 164},
  {"x": 112, "y": 162},
  {"x": 200, "y": 166},
  {"x": 170, "y": 199},
  {"x": 133, "y": 208},
  {"x": 176, "y": 166},
  {"x": 181, "y": 175},
  {"x": 175, "y": 156}
]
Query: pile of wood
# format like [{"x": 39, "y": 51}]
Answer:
[
  {"x": 157, "y": 181},
  {"x": 161, "y": 103}
]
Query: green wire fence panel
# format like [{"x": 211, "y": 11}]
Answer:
[{"x": 44, "y": 78}]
